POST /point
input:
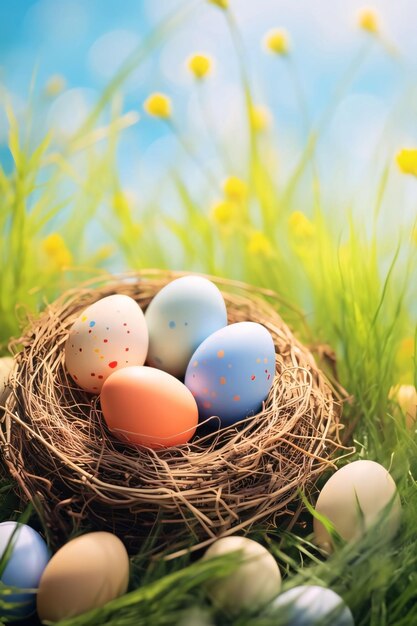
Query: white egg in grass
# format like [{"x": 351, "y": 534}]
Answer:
[
  {"x": 254, "y": 583},
  {"x": 6, "y": 367},
  {"x": 354, "y": 500},
  {"x": 311, "y": 605},
  {"x": 406, "y": 397},
  {"x": 195, "y": 616}
]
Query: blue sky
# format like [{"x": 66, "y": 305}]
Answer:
[{"x": 85, "y": 42}]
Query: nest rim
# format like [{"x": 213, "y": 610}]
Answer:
[{"x": 190, "y": 492}]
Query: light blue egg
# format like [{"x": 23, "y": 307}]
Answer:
[
  {"x": 311, "y": 605},
  {"x": 231, "y": 372},
  {"x": 179, "y": 318},
  {"x": 28, "y": 558}
]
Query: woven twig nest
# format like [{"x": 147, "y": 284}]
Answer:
[{"x": 57, "y": 446}]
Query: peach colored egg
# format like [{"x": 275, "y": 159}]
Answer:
[
  {"x": 84, "y": 574},
  {"x": 148, "y": 407},
  {"x": 107, "y": 336}
]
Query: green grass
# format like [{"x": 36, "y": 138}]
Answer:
[{"x": 355, "y": 285}]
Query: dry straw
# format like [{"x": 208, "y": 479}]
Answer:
[{"x": 57, "y": 447}]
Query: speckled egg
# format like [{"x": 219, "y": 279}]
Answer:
[
  {"x": 353, "y": 500},
  {"x": 179, "y": 318},
  {"x": 311, "y": 605},
  {"x": 109, "y": 335},
  {"x": 231, "y": 372}
]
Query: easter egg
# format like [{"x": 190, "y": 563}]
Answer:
[
  {"x": 406, "y": 398},
  {"x": 312, "y": 606},
  {"x": 6, "y": 367},
  {"x": 232, "y": 371},
  {"x": 179, "y": 318},
  {"x": 28, "y": 558},
  {"x": 109, "y": 335},
  {"x": 255, "y": 582},
  {"x": 148, "y": 407},
  {"x": 353, "y": 499},
  {"x": 84, "y": 574}
]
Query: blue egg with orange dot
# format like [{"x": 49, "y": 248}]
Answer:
[{"x": 231, "y": 372}]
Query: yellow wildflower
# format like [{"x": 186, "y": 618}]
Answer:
[
  {"x": 224, "y": 212},
  {"x": 407, "y": 160},
  {"x": 414, "y": 235},
  {"x": 56, "y": 250},
  {"x": 200, "y": 65},
  {"x": 121, "y": 204},
  {"x": 235, "y": 188},
  {"x": 277, "y": 41},
  {"x": 55, "y": 85},
  {"x": 158, "y": 105},
  {"x": 300, "y": 226},
  {"x": 259, "y": 244},
  {"x": 368, "y": 20},
  {"x": 222, "y": 4},
  {"x": 260, "y": 117}
]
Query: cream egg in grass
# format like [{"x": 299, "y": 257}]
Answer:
[
  {"x": 406, "y": 398},
  {"x": 6, "y": 368},
  {"x": 148, "y": 407},
  {"x": 180, "y": 316},
  {"x": 84, "y": 574},
  {"x": 255, "y": 582},
  {"x": 354, "y": 500},
  {"x": 107, "y": 336}
]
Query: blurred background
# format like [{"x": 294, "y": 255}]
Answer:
[
  {"x": 81, "y": 45},
  {"x": 284, "y": 133}
]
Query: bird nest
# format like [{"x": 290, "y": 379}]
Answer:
[{"x": 63, "y": 458}]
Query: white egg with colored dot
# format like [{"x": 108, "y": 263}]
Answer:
[
  {"x": 108, "y": 335},
  {"x": 255, "y": 581},
  {"x": 179, "y": 318},
  {"x": 356, "y": 498}
]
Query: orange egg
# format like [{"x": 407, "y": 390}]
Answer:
[{"x": 148, "y": 407}]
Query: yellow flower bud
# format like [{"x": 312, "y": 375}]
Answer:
[
  {"x": 368, "y": 20},
  {"x": 56, "y": 250},
  {"x": 260, "y": 117},
  {"x": 300, "y": 226},
  {"x": 259, "y": 245},
  {"x": 121, "y": 204},
  {"x": 200, "y": 65},
  {"x": 406, "y": 398},
  {"x": 235, "y": 188},
  {"x": 55, "y": 85},
  {"x": 224, "y": 212},
  {"x": 277, "y": 41},
  {"x": 222, "y": 4},
  {"x": 158, "y": 105},
  {"x": 407, "y": 161}
]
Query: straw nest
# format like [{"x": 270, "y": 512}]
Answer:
[{"x": 58, "y": 449}]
